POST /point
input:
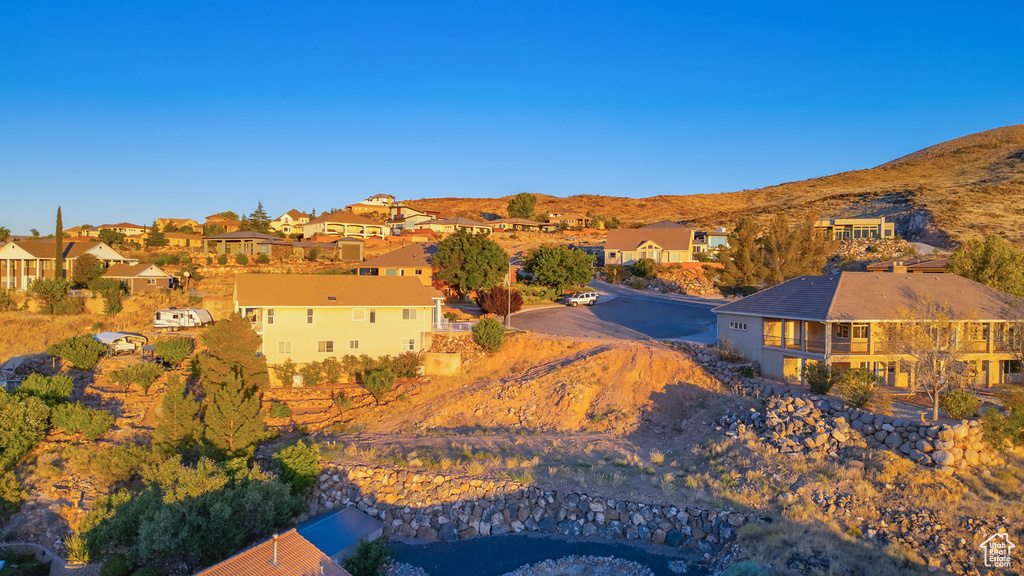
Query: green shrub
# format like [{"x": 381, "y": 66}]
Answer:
[
  {"x": 451, "y": 316},
  {"x": 820, "y": 377},
  {"x": 120, "y": 463},
  {"x": 143, "y": 374},
  {"x": 488, "y": 334},
  {"x": 959, "y": 404},
  {"x": 241, "y": 259},
  {"x": 149, "y": 571},
  {"x": 300, "y": 465},
  {"x": 7, "y": 302},
  {"x": 52, "y": 294},
  {"x": 263, "y": 259},
  {"x": 1004, "y": 428},
  {"x": 644, "y": 268},
  {"x": 278, "y": 410},
  {"x": 209, "y": 260},
  {"x": 331, "y": 371},
  {"x": 369, "y": 557},
  {"x": 52, "y": 390},
  {"x": 222, "y": 259},
  {"x": 637, "y": 284},
  {"x": 407, "y": 365},
  {"x": 78, "y": 552},
  {"x": 312, "y": 373},
  {"x": 115, "y": 565},
  {"x": 83, "y": 352},
  {"x": 112, "y": 291},
  {"x": 702, "y": 257},
  {"x": 174, "y": 351},
  {"x": 78, "y": 419},
  {"x": 378, "y": 382},
  {"x": 285, "y": 372},
  {"x": 11, "y": 494},
  {"x": 745, "y": 568},
  {"x": 313, "y": 254},
  {"x": 343, "y": 403},
  {"x": 857, "y": 387}
]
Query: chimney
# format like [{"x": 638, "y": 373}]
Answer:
[
  {"x": 899, "y": 267},
  {"x": 274, "y": 562}
]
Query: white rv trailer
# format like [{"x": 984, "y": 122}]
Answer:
[{"x": 178, "y": 318}]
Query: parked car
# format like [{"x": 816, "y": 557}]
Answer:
[
  {"x": 178, "y": 318},
  {"x": 122, "y": 342},
  {"x": 588, "y": 298}
]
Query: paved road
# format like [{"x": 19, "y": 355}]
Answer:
[
  {"x": 495, "y": 555},
  {"x": 628, "y": 314}
]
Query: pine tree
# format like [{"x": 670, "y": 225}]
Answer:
[
  {"x": 234, "y": 422},
  {"x": 521, "y": 205},
  {"x": 233, "y": 351},
  {"x": 177, "y": 425},
  {"x": 259, "y": 221},
  {"x": 156, "y": 237},
  {"x": 742, "y": 262},
  {"x": 58, "y": 257},
  {"x": 791, "y": 251}
]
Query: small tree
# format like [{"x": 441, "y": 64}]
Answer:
[
  {"x": 222, "y": 259},
  {"x": 959, "y": 404},
  {"x": 794, "y": 250},
  {"x": 378, "y": 382},
  {"x": 501, "y": 301},
  {"x": 369, "y": 558},
  {"x": 299, "y": 466},
  {"x": 174, "y": 351},
  {"x": 23, "y": 424},
  {"x": 177, "y": 422},
  {"x": 644, "y": 268},
  {"x": 83, "y": 352},
  {"x": 993, "y": 262},
  {"x": 87, "y": 270},
  {"x": 5, "y": 234},
  {"x": 263, "y": 259},
  {"x": 857, "y": 387},
  {"x": 742, "y": 261},
  {"x": 77, "y": 419},
  {"x": 156, "y": 237},
  {"x": 286, "y": 372},
  {"x": 521, "y": 205},
  {"x": 489, "y": 334},
  {"x": 468, "y": 262},
  {"x": 112, "y": 291},
  {"x": 234, "y": 421},
  {"x": 559, "y": 266},
  {"x": 58, "y": 257},
  {"x": 820, "y": 377},
  {"x": 111, "y": 237},
  {"x": 53, "y": 390},
  {"x": 143, "y": 374},
  {"x": 52, "y": 294},
  {"x": 233, "y": 350}
]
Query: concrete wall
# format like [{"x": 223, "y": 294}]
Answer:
[
  {"x": 439, "y": 364},
  {"x": 389, "y": 334},
  {"x": 747, "y": 343}
]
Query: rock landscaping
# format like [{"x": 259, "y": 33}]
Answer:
[
  {"x": 448, "y": 507},
  {"x": 583, "y": 566}
]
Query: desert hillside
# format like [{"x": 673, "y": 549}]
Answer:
[{"x": 956, "y": 190}]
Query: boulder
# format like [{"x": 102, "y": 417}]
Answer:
[{"x": 943, "y": 458}]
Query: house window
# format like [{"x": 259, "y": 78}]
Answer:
[
  {"x": 270, "y": 315},
  {"x": 860, "y": 331},
  {"x": 408, "y": 344},
  {"x": 408, "y": 313},
  {"x": 1011, "y": 367},
  {"x": 842, "y": 330},
  {"x": 325, "y": 346},
  {"x": 353, "y": 344},
  {"x": 373, "y": 316},
  {"x": 309, "y": 315},
  {"x": 151, "y": 281},
  {"x": 742, "y": 326},
  {"x": 611, "y": 254},
  {"x": 359, "y": 314},
  {"x": 284, "y": 347},
  {"x": 418, "y": 272}
]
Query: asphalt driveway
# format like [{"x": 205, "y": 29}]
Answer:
[{"x": 627, "y": 314}]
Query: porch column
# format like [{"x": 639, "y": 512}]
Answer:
[
  {"x": 803, "y": 343},
  {"x": 828, "y": 341},
  {"x": 871, "y": 338},
  {"x": 989, "y": 344}
]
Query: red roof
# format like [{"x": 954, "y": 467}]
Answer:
[{"x": 295, "y": 557}]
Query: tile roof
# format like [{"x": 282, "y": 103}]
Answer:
[
  {"x": 871, "y": 296},
  {"x": 44, "y": 249},
  {"x": 416, "y": 255},
  {"x": 296, "y": 214},
  {"x": 343, "y": 217},
  {"x": 318, "y": 289},
  {"x": 664, "y": 224},
  {"x": 920, "y": 264},
  {"x": 122, "y": 225},
  {"x": 123, "y": 270},
  {"x": 630, "y": 238},
  {"x": 296, "y": 556}
]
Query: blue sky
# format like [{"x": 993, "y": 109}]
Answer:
[{"x": 129, "y": 111}]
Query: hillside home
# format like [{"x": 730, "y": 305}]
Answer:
[
  {"x": 308, "y": 317},
  {"x": 367, "y": 208},
  {"x": 217, "y": 224},
  {"x": 411, "y": 260},
  {"x": 82, "y": 232},
  {"x": 516, "y": 224},
  {"x": 177, "y": 223},
  {"x": 402, "y": 217},
  {"x": 452, "y": 225},
  {"x": 842, "y": 320},
  {"x": 856, "y": 228},
  {"x": 380, "y": 200},
  {"x": 24, "y": 261},
  {"x": 125, "y": 228},
  {"x": 247, "y": 242},
  {"x": 710, "y": 241},
  {"x": 568, "y": 219},
  {"x": 179, "y": 240},
  {"x": 343, "y": 223},
  {"x": 929, "y": 266},
  {"x": 663, "y": 245},
  {"x": 288, "y": 554},
  {"x": 290, "y": 222},
  {"x": 139, "y": 278}
]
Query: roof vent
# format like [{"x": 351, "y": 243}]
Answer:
[
  {"x": 332, "y": 297},
  {"x": 274, "y": 562}
]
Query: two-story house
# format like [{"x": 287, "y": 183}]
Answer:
[
  {"x": 27, "y": 260},
  {"x": 842, "y": 320},
  {"x": 452, "y": 225},
  {"x": 856, "y": 228},
  {"x": 347, "y": 224},
  {"x": 569, "y": 219},
  {"x": 663, "y": 245},
  {"x": 126, "y": 228},
  {"x": 309, "y": 317},
  {"x": 290, "y": 222}
]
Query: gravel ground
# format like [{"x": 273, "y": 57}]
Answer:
[{"x": 583, "y": 566}]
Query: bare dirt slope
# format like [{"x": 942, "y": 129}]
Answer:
[{"x": 957, "y": 190}]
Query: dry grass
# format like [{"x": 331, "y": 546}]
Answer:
[{"x": 30, "y": 333}]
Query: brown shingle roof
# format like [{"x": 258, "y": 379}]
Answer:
[
  {"x": 44, "y": 249},
  {"x": 870, "y": 296},
  {"x": 295, "y": 557},
  {"x": 929, "y": 264},
  {"x": 124, "y": 270},
  {"x": 296, "y": 214},
  {"x": 416, "y": 255},
  {"x": 316, "y": 290},
  {"x": 664, "y": 224},
  {"x": 668, "y": 238}
]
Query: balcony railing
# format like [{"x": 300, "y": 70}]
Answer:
[
  {"x": 978, "y": 346},
  {"x": 850, "y": 347},
  {"x": 793, "y": 343}
]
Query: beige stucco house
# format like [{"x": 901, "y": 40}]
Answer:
[
  {"x": 290, "y": 222},
  {"x": 841, "y": 320},
  {"x": 856, "y": 228},
  {"x": 663, "y": 245},
  {"x": 347, "y": 224},
  {"x": 412, "y": 260},
  {"x": 309, "y": 317},
  {"x": 452, "y": 225}
]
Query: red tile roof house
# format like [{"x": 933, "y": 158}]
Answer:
[
  {"x": 841, "y": 320},
  {"x": 125, "y": 228},
  {"x": 25, "y": 261},
  {"x": 140, "y": 278},
  {"x": 286, "y": 555}
]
